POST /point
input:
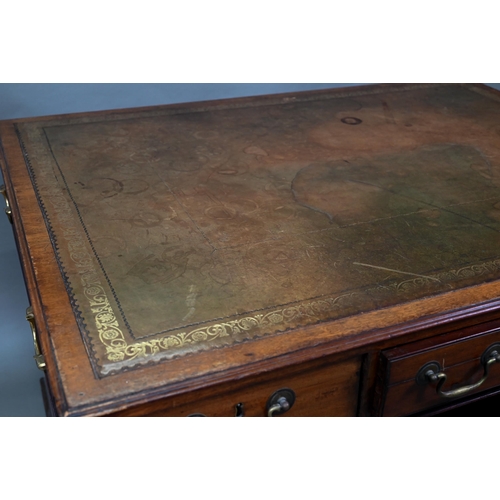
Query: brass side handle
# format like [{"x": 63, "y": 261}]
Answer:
[
  {"x": 432, "y": 372},
  {"x": 8, "y": 209},
  {"x": 39, "y": 359}
]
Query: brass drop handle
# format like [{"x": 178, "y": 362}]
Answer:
[
  {"x": 40, "y": 360},
  {"x": 281, "y": 406},
  {"x": 432, "y": 372},
  {"x": 8, "y": 210},
  {"x": 280, "y": 402}
]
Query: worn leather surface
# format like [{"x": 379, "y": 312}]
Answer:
[{"x": 185, "y": 229}]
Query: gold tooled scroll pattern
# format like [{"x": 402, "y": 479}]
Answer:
[
  {"x": 104, "y": 326},
  {"x": 118, "y": 351},
  {"x": 109, "y": 327},
  {"x": 446, "y": 276}
]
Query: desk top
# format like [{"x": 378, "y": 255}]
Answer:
[{"x": 183, "y": 229}]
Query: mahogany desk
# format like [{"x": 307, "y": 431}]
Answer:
[{"x": 328, "y": 253}]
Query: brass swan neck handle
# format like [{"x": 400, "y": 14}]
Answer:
[{"x": 432, "y": 372}]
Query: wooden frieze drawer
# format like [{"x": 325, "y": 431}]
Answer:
[
  {"x": 188, "y": 258},
  {"x": 438, "y": 371},
  {"x": 321, "y": 389}
]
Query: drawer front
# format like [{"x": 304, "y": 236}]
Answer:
[
  {"x": 438, "y": 372},
  {"x": 330, "y": 389}
]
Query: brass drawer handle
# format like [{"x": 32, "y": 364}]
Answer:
[
  {"x": 8, "y": 210},
  {"x": 40, "y": 360},
  {"x": 280, "y": 402},
  {"x": 280, "y": 407},
  {"x": 432, "y": 372}
]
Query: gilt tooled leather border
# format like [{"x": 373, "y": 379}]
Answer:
[
  {"x": 110, "y": 334},
  {"x": 86, "y": 338},
  {"x": 124, "y": 355}
]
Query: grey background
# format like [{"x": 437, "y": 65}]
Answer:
[{"x": 20, "y": 393}]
